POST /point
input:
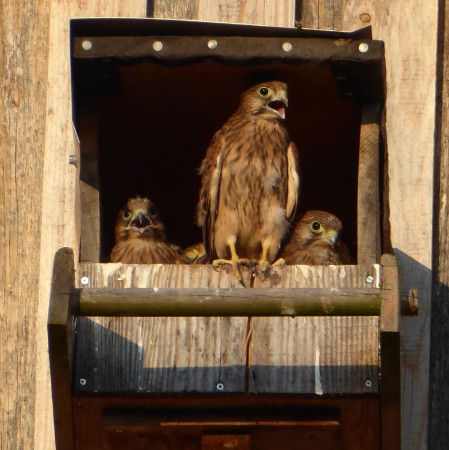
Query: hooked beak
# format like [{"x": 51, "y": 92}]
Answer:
[{"x": 140, "y": 220}]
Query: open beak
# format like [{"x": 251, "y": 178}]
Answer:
[
  {"x": 140, "y": 220},
  {"x": 280, "y": 104}
]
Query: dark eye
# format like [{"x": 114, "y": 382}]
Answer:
[
  {"x": 264, "y": 91},
  {"x": 152, "y": 211},
  {"x": 126, "y": 214},
  {"x": 316, "y": 226}
]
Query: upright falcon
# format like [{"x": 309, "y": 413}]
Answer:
[{"x": 250, "y": 181}]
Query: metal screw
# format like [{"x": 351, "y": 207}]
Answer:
[
  {"x": 83, "y": 381},
  {"x": 368, "y": 383},
  {"x": 363, "y": 47},
  {"x": 369, "y": 279},
  {"x": 158, "y": 46},
  {"x": 85, "y": 280},
  {"x": 220, "y": 387},
  {"x": 212, "y": 44},
  {"x": 286, "y": 46},
  {"x": 73, "y": 159},
  {"x": 87, "y": 45}
]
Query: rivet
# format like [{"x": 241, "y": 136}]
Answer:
[
  {"x": 73, "y": 159},
  {"x": 158, "y": 46},
  {"x": 220, "y": 387},
  {"x": 212, "y": 44},
  {"x": 363, "y": 47},
  {"x": 83, "y": 381},
  {"x": 286, "y": 46},
  {"x": 368, "y": 383},
  {"x": 84, "y": 280},
  {"x": 369, "y": 279},
  {"x": 87, "y": 45}
]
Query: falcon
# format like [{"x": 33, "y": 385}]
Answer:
[
  {"x": 250, "y": 182},
  {"x": 316, "y": 241},
  {"x": 140, "y": 236}
]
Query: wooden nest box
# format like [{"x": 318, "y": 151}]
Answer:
[{"x": 183, "y": 357}]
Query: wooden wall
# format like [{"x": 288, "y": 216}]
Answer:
[{"x": 38, "y": 200}]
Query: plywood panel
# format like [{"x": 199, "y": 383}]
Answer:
[
  {"x": 408, "y": 28},
  {"x": 60, "y": 205},
  {"x": 23, "y": 87}
]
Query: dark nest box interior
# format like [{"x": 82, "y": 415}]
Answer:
[{"x": 148, "y": 95}]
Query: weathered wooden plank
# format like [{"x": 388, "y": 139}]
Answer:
[
  {"x": 314, "y": 355},
  {"x": 23, "y": 89},
  {"x": 160, "y": 354},
  {"x": 368, "y": 202},
  {"x": 60, "y": 346},
  {"x": 60, "y": 216},
  {"x": 322, "y": 14},
  {"x": 160, "y": 276},
  {"x": 225, "y": 302},
  {"x": 263, "y": 12},
  {"x": 409, "y": 126},
  {"x": 439, "y": 334}
]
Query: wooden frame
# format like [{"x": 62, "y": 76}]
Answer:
[
  {"x": 356, "y": 64},
  {"x": 242, "y": 365}
]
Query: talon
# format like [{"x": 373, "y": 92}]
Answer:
[{"x": 279, "y": 262}]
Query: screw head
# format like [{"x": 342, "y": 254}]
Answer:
[
  {"x": 368, "y": 383},
  {"x": 212, "y": 44},
  {"x": 220, "y": 386},
  {"x": 83, "y": 381},
  {"x": 158, "y": 46},
  {"x": 87, "y": 45},
  {"x": 363, "y": 47},
  {"x": 286, "y": 46},
  {"x": 84, "y": 281},
  {"x": 370, "y": 279}
]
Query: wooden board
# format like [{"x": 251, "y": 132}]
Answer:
[
  {"x": 23, "y": 90},
  {"x": 60, "y": 199},
  {"x": 265, "y": 355},
  {"x": 409, "y": 30}
]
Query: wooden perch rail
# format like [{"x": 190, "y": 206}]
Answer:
[{"x": 225, "y": 302}]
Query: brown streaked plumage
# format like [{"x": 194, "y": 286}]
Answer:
[
  {"x": 316, "y": 241},
  {"x": 250, "y": 180},
  {"x": 140, "y": 236}
]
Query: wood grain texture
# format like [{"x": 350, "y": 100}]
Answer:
[
  {"x": 439, "y": 361},
  {"x": 408, "y": 28},
  {"x": 322, "y": 14},
  {"x": 261, "y": 12},
  {"x": 171, "y": 354},
  {"x": 23, "y": 88},
  {"x": 60, "y": 202},
  {"x": 368, "y": 204}
]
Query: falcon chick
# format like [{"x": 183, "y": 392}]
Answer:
[
  {"x": 140, "y": 236},
  {"x": 316, "y": 241},
  {"x": 250, "y": 181}
]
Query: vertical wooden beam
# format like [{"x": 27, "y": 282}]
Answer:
[
  {"x": 390, "y": 364},
  {"x": 23, "y": 87},
  {"x": 439, "y": 335},
  {"x": 60, "y": 348},
  {"x": 322, "y": 14},
  {"x": 408, "y": 28},
  {"x": 368, "y": 206},
  {"x": 60, "y": 201}
]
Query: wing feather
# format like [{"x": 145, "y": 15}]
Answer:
[
  {"x": 293, "y": 185},
  {"x": 207, "y": 210}
]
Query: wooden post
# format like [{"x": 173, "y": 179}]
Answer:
[
  {"x": 439, "y": 335},
  {"x": 60, "y": 343}
]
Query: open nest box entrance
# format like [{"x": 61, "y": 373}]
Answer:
[{"x": 149, "y": 95}]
